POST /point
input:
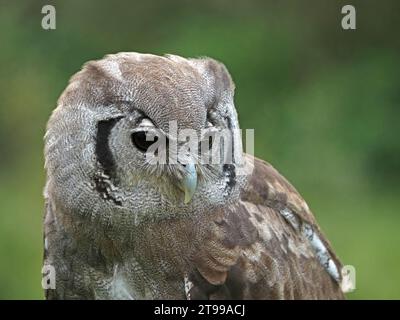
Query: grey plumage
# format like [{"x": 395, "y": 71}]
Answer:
[{"x": 119, "y": 228}]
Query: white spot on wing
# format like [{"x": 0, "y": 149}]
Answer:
[
  {"x": 291, "y": 218},
  {"x": 317, "y": 245},
  {"x": 321, "y": 251}
]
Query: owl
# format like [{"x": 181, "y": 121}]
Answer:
[{"x": 120, "y": 225}]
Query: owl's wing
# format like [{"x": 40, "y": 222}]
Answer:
[{"x": 267, "y": 246}]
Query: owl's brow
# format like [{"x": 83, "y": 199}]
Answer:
[{"x": 142, "y": 115}]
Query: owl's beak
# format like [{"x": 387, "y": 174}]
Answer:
[{"x": 188, "y": 183}]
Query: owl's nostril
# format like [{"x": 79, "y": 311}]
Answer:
[{"x": 182, "y": 163}]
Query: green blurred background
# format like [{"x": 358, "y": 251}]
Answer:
[{"x": 324, "y": 104}]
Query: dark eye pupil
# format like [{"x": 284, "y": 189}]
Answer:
[{"x": 140, "y": 142}]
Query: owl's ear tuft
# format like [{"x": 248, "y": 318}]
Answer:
[
  {"x": 217, "y": 76},
  {"x": 223, "y": 79}
]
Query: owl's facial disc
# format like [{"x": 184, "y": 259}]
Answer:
[{"x": 174, "y": 166}]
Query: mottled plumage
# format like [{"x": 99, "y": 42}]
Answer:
[{"x": 116, "y": 227}]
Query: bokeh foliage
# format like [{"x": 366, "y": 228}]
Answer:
[{"x": 324, "y": 104}]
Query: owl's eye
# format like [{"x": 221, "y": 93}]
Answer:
[{"x": 140, "y": 141}]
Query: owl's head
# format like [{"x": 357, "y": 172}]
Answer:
[{"x": 121, "y": 145}]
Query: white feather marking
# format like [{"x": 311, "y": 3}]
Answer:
[
  {"x": 318, "y": 246},
  {"x": 290, "y": 217},
  {"x": 321, "y": 251},
  {"x": 188, "y": 287},
  {"x": 119, "y": 286}
]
